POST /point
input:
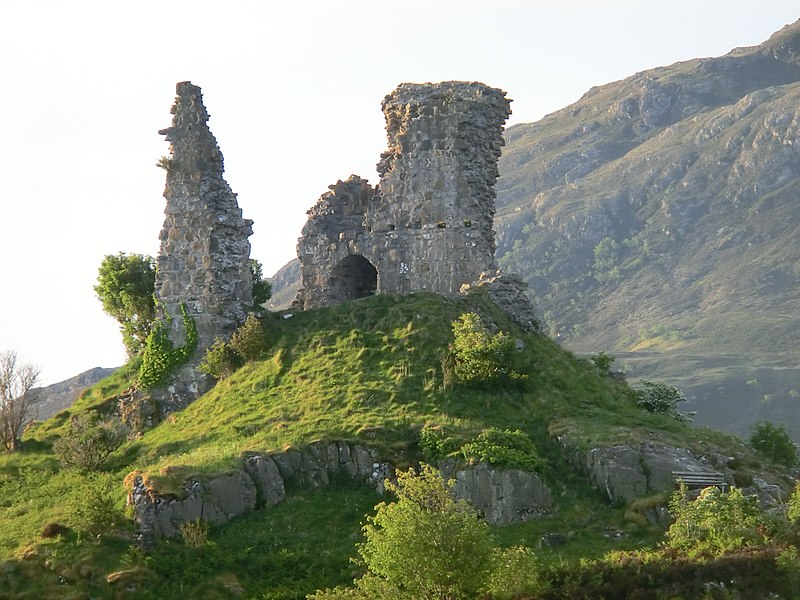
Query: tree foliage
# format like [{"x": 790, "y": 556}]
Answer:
[
  {"x": 247, "y": 344},
  {"x": 481, "y": 358},
  {"x": 504, "y": 448},
  {"x": 125, "y": 285},
  {"x": 715, "y": 523},
  {"x": 427, "y": 544},
  {"x": 89, "y": 441},
  {"x": 17, "y": 395},
  {"x": 262, "y": 288},
  {"x": 661, "y": 398},
  {"x": 774, "y": 443}
]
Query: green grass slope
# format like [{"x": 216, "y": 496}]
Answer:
[{"x": 369, "y": 371}]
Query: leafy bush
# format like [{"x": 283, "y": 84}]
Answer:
[
  {"x": 506, "y": 448},
  {"x": 436, "y": 444},
  {"x": 715, "y": 523},
  {"x": 248, "y": 340},
  {"x": 89, "y": 441},
  {"x": 93, "y": 513},
  {"x": 427, "y": 544},
  {"x": 220, "y": 360},
  {"x": 516, "y": 570},
  {"x": 662, "y": 398},
  {"x": 262, "y": 288},
  {"x": 247, "y": 344},
  {"x": 603, "y": 362},
  {"x": 125, "y": 285},
  {"x": 481, "y": 358},
  {"x": 773, "y": 443},
  {"x": 793, "y": 506},
  {"x": 160, "y": 358}
]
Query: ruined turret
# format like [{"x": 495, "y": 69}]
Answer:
[
  {"x": 428, "y": 224},
  {"x": 203, "y": 264}
]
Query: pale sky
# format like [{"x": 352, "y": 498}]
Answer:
[{"x": 294, "y": 92}]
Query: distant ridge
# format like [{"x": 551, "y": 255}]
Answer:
[{"x": 58, "y": 396}]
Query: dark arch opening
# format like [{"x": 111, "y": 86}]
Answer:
[{"x": 354, "y": 277}]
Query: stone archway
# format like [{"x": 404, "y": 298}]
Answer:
[{"x": 353, "y": 277}]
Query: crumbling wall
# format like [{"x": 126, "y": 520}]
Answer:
[
  {"x": 428, "y": 225},
  {"x": 203, "y": 262}
]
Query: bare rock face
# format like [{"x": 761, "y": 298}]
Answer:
[
  {"x": 203, "y": 261},
  {"x": 428, "y": 225}
]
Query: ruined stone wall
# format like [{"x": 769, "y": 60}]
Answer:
[
  {"x": 203, "y": 262},
  {"x": 428, "y": 225}
]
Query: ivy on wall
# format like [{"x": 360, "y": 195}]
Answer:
[{"x": 160, "y": 358}]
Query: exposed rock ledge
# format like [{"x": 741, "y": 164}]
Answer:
[
  {"x": 503, "y": 496},
  {"x": 629, "y": 471}
]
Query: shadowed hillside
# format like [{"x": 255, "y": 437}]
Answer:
[{"x": 658, "y": 216}]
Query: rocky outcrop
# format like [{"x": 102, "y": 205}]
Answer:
[
  {"x": 502, "y": 496},
  {"x": 627, "y": 471},
  {"x": 429, "y": 223},
  {"x": 203, "y": 262},
  {"x": 262, "y": 480},
  {"x": 507, "y": 291}
]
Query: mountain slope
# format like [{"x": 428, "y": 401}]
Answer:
[
  {"x": 659, "y": 215},
  {"x": 58, "y": 396}
]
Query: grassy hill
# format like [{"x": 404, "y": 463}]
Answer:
[
  {"x": 367, "y": 371},
  {"x": 656, "y": 219}
]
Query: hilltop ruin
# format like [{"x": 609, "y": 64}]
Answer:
[
  {"x": 427, "y": 226},
  {"x": 203, "y": 262}
]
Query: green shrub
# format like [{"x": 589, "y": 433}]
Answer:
[
  {"x": 195, "y": 533},
  {"x": 435, "y": 444},
  {"x": 92, "y": 513},
  {"x": 220, "y": 360},
  {"x": 662, "y": 398},
  {"x": 89, "y": 441},
  {"x": 248, "y": 340},
  {"x": 507, "y": 449},
  {"x": 773, "y": 443},
  {"x": 515, "y": 570},
  {"x": 793, "y": 507},
  {"x": 481, "y": 358},
  {"x": 715, "y": 523},
  {"x": 262, "y": 288},
  {"x": 160, "y": 358},
  {"x": 427, "y": 544},
  {"x": 603, "y": 362}
]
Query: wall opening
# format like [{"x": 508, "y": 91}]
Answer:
[{"x": 354, "y": 277}]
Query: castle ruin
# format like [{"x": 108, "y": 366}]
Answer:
[
  {"x": 203, "y": 263},
  {"x": 428, "y": 225}
]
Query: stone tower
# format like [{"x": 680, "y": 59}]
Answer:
[
  {"x": 203, "y": 263},
  {"x": 428, "y": 224}
]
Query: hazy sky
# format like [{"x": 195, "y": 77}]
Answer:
[{"x": 294, "y": 91}]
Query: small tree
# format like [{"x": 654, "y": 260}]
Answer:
[
  {"x": 17, "y": 396},
  {"x": 93, "y": 513},
  {"x": 480, "y": 357},
  {"x": 773, "y": 443},
  {"x": 248, "y": 339},
  {"x": 262, "y": 288},
  {"x": 427, "y": 544},
  {"x": 662, "y": 398},
  {"x": 715, "y": 523},
  {"x": 89, "y": 442},
  {"x": 125, "y": 285}
]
